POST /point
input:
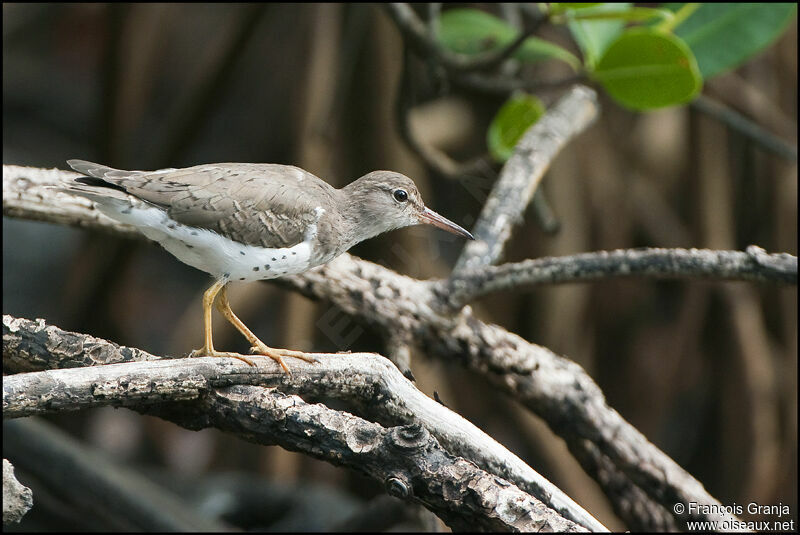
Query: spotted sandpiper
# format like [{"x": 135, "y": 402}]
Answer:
[{"x": 249, "y": 222}]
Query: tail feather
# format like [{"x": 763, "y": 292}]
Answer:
[
  {"x": 99, "y": 194},
  {"x": 103, "y": 172},
  {"x": 93, "y": 186}
]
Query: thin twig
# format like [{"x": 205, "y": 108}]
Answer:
[
  {"x": 544, "y": 213},
  {"x": 421, "y": 40},
  {"x": 435, "y": 158},
  {"x": 745, "y": 126},
  {"x": 755, "y": 265},
  {"x": 503, "y": 85}
]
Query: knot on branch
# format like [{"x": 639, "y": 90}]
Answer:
[
  {"x": 409, "y": 437},
  {"x": 364, "y": 438}
]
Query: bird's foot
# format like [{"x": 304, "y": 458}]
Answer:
[
  {"x": 205, "y": 352},
  {"x": 278, "y": 354}
]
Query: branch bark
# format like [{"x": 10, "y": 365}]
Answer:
[
  {"x": 358, "y": 378},
  {"x": 407, "y": 459},
  {"x": 522, "y": 173},
  {"x": 754, "y": 265}
]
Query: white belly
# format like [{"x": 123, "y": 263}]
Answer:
[{"x": 210, "y": 252}]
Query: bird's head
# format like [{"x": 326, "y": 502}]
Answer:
[{"x": 385, "y": 200}]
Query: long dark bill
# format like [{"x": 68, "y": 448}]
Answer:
[{"x": 430, "y": 217}]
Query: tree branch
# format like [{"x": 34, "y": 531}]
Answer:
[
  {"x": 435, "y": 158},
  {"x": 407, "y": 460},
  {"x": 755, "y": 265},
  {"x": 360, "y": 378},
  {"x": 522, "y": 173},
  {"x": 738, "y": 122}
]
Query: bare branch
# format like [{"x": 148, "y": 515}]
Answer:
[
  {"x": 555, "y": 388},
  {"x": 398, "y": 350},
  {"x": 754, "y": 265},
  {"x": 521, "y": 175},
  {"x": 745, "y": 126},
  {"x": 28, "y": 193},
  {"x": 435, "y": 158},
  {"x": 34, "y": 346},
  {"x": 407, "y": 460},
  {"x": 356, "y": 377}
]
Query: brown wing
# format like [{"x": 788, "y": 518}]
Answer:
[{"x": 270, "y": 205}]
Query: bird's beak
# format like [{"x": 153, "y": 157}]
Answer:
[{"x": 429, "y": 217}]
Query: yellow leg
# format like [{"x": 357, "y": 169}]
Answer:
[
  {"x": 208, "y": 348},
  {"x": 259, "y": 347}
]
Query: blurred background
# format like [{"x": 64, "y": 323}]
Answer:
[{"x": 706, "y": 370}]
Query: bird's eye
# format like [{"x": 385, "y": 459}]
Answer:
[{"x": 400, "y": 195}]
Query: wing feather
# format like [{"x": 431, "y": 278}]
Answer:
[{"x": 270, "y": 205}]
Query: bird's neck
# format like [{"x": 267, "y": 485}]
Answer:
[{"x": 359, "y": 221}]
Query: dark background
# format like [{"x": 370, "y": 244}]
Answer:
[{"x": 706, "y": 370}]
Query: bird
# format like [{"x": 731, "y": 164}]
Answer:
[{"x": 252, "y": 221}]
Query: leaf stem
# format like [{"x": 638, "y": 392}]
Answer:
[{"x": 680, "y": 16}]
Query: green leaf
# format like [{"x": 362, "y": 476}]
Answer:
[
  {"x": 723, "y": 36},
  {"x": 594, "y": 36},
  {"x": 470, "y": 31},
  {"x": 645, "y": 69},
  {"x": 513, "y": 118}
]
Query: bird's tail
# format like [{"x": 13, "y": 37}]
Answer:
[
  {"x": 93, "y": 186},
  {"x": 91, "y": 169}
]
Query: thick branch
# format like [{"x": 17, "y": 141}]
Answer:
[
  {"x": 555, "y": 388},
  {"x": 358, "y": 378},
  {"x": 754, "y": 265},
  {"x": 407, "y": 460},
  {"x": 522, "y": 173}
]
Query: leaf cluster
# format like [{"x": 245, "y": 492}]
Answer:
[{"x": 645, "y": 58}]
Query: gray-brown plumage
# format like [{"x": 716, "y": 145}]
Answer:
[
  {"x": 268, "y": 205},
  {"x": 242, "y": 221}
]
